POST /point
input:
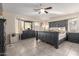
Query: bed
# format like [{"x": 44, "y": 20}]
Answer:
[{"x": 52, "y": 37}]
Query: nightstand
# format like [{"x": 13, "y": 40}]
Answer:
[{"x": 73, "y": 37}]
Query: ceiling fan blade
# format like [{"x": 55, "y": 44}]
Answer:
[
  {"x": 48, "y": 8},
  {"x": 36, "y": 9},
  {"x": 39, "y": 12},
  {"x": 46, "y": 12}
]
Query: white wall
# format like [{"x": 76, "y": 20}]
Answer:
[
  {"x": 1, "y": 9},
  {"x": 10, "y": 22},
  {"x": 73, "y": 25},
  {"x": 36, "y": 26},
  {"x": 62, "y": 17},
  {"x": 70, "y": 18}
]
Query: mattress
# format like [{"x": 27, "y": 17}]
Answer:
[{"x": 62, "y": 36}]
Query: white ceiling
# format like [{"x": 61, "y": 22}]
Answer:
[{"x": 27, "y": 9}]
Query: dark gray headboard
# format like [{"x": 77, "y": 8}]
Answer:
[{"x": 62, "y": 23}]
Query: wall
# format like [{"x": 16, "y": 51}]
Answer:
[
  {"x": 62, "y": 17},
  {"x": 71, "y": 18},
  {"x": 1, "y": 9},
  {"x": 10, "y": 24},
  {"x": 73, "y": 25},
  {"x": 36, "y": 26}
]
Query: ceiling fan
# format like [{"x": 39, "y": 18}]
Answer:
[{"x": 42, "y": 10}]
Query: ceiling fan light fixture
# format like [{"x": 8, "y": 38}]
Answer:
[{"x": 42, "y": 10}]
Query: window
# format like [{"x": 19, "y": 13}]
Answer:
[
  {"x": 21, "y": 25},
  {"x": 27, "y": 25}
]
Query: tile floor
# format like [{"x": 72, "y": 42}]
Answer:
[{"x": 30, "y": 47}]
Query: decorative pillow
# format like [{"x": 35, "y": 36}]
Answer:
[{"x": 57, "y": 29}]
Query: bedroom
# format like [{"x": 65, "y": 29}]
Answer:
[{"x": 40, "y": 17}]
